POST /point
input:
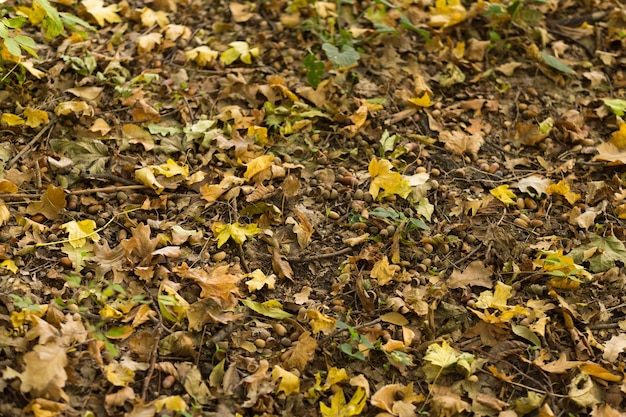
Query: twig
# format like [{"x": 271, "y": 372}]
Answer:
[
  {"x": 299, "y": 259},
  {"x": 154, "y": 351},
  {"x": 26, "y": 149}
]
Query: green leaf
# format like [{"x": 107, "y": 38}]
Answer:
[
  {"x": 52, "y": 24},
  {"x": 526, "y": 333},
  {"x": 270, "y": 309},
  {"x": 314, "y": 69},
  {"x": 616, "y": 105},
  {"x": 557, "y": 64},
  {"x": 347, "y": 349},
  {"x": 406, "y": 23},
  {"x": 608, "y": 250},
  {"x": 12, "y": 46},
  {"x": 346, "y": 58}
]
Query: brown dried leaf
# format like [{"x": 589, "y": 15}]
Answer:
[
  {"x": 475, "y": 275},
  {"x": 45, "y": 374},
  {"x": 51, "y": 204},
  {"x": 219, "y": 281},
  {"x": 280, "y": 264},
  {"x": 301, "y": 353},
  {"x": 460, "y": 142}
]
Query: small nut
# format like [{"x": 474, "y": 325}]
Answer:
[
  {"x": 219, "y": 256},
  {"x": 530, "y": 203},
  {"x": 65, "y": 262},
  {"x": 521, "y": 222},
  {"x": 536, "y": 223},
  {"x": 333, "y": 215},
  {"x": 280, "y": 329},
  {"x": 168, "y": 381},
  {"x": 520, "y": 204}
]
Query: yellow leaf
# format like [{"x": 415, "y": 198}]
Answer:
[
  {"x": 172, "y": 403},
  {"x": 339, "y": 408},
  {"x": 447, "y": 13},
  {"x": 109, "y": 312},
  {"x": 234, "y": 231},
  {"x": 171, "y": 168},
  {"x": 119, "y": 374},
  {"x": 80, "y": 231},
  {"x": 241, "y": 50},
  {"x": 202, "y": 55},
  {"x": 76, "y": 107},
  {"x": 423, "y": 101},
  {"x": 51, "y": 204},
  {"x": 7, "y": 186},
  {"x": 101, "y": 13},
  {"x": 259, "y": 280},
  {"x": 563, "y": 189},
  {"x": 257, "y": 165},
  {"x": 11, "y": 119},
  {"x": 5, "y": 214},
  {"x": 503, "y": 194},
  {"x": 149, "y": 18},
  {"x": 383, "y": 178},
  {"x": 147, "y": 43},
  {"x": 383, "y": 271},
  {"x": 35, "y": 117},
  {"x": 146, "y": 176},
  {"x": 289, "y": 383},
  {"x": 320, "y": 322},
  {"x": 9, "y": 264},
  {"x": 618, "y": 138}
]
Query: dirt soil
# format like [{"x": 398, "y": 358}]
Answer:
[{"x": 360, "y": 208}]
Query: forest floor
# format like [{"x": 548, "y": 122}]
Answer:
[{"x": 306, "y": 208}]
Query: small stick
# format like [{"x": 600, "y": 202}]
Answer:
[{"x": 28, "y": 146}]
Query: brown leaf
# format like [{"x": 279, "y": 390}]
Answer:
[
  {"x": 51, "y": 204},
  {"x": 280, "y": 264},
  {"x": 45, "y": 374},
  {"x": 302, "y": 352},
  {"x": 475, "y": 275},
  {"x": 140, "y": 246},
  {"x": 460, "y": 142},
  {"x": 219, "y": 281}
]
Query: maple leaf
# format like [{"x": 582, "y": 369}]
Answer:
[
  {"x": 339, "y": 408},
  {"x": 383, "y": 178},
  {"x": 301, "y": 352},
  {"x": 234, "y": 231},
  {"x": 80, "y": 231},
  {"x": 447, "y": 13},
  {"x": 289, "y": 383},
  {"x": 601, "y": 252},
  {"x": 613, "y": 347},
  {"x": 202, "y": 55},
  {"x": 440, "y": 357},
  {"x": 423, "y": 101},
  {"x": 259, "y": 280},
  {"x": 503, "y": 194},
  {"x": 320, "y": 322},
  {"x": 257, "y": 165},
  {"x": 51, "y": 204},
  {"x": 218, "y": 281},
  {"x": 563, "y": 189},
  {"x": 239, "y": 50},
  {"x": 384, "y": 271},
  {"x": 101, "y": 13},
  {"x": 35, "y": 117},
  {"x": 618, "y": 138}
]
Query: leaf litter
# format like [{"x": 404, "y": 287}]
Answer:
[{"x": 314, "y": 208}]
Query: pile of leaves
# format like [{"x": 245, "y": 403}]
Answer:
[{"x": 293, "y": 207}]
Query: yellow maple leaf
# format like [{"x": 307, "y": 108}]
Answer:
[
  {"x": 562, "y": 188},
  {"x": 423, "y": 101},
  {"x": 170, "y": 169},
  {"x": 146, "y": 176},
  {"x": 202, "y": 55},
  {"x": 320, "y": 322},
  {"x": 383, "y": 271},
  {"x": 257, "y": 165},
  {"x": 234, "y": 231},
  {"x": 339, "y": 408},
  {"x": 171, "y": 403},
  {"x": 11, "y": 119},
  {"x": 618, "y": 138},
  {"x": 149, "y": 18},
  {"x": 9, "y": 264},
  {"x": 447, "y": 13},
  {"x": 383, "y": 178},
  {"x": 101, "y": 13},
  {"x": 289, "y": 383},
  {"x": 80, "y": 231},
  {"x": 35, "y": 117},
  {"x": 503, "y": 194},
  {"x": 259, "y": 280},
  {"x": 239, "y": 50}
]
